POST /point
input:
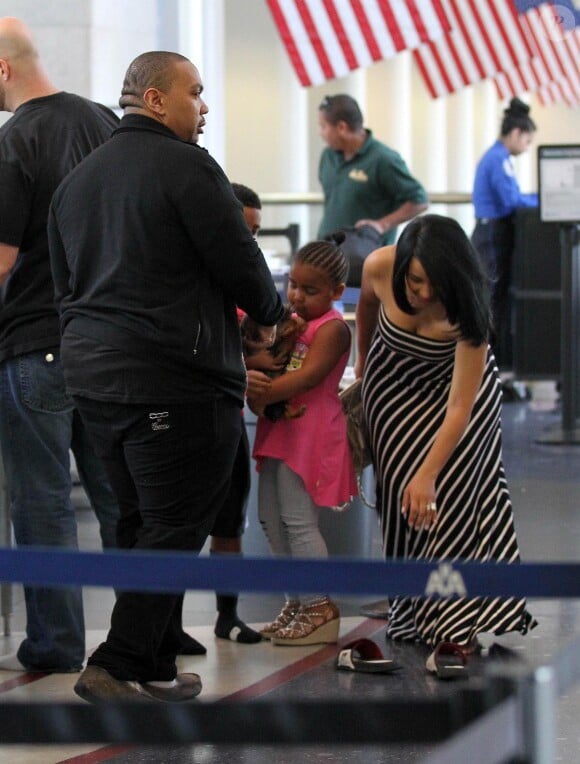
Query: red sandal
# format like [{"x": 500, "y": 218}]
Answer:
[{"x": 449, "y": 660}]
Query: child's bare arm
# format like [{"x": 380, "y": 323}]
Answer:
[{"x": 329, "y": 344}]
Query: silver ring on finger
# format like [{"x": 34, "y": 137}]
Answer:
[{"x": 432, "y": 507}]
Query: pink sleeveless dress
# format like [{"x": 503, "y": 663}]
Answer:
[{"x": 314, "y": 446}]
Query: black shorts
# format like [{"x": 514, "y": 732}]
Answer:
[{"x": 231, "y": 519}]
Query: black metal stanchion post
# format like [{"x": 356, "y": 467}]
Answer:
[{"x": 569, "y": 431}]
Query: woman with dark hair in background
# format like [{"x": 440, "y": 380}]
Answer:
[
  {"x": 496, "y": 196},
  {"x": 432, "y": 401}
]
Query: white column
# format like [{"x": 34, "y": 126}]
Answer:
[
  {"x": 460, "y": 152},
  {"x": 202, "y": 40},
  {"x": 268, "y": 117},
  {"x": 389, "y": 102},
  {"x": 428, "y": 126},
  {"x": 486, "y": 117},
  {"x": 117, "y": 36}
]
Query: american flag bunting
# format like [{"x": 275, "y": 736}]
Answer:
[
  {"x": 486, "y": 38},
  {"x": 554, "y": 70},
  {"x": 326, "y": 39}
]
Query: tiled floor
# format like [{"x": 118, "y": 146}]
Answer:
[{"x": 545, "y": 486}]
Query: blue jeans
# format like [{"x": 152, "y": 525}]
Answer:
[{"x": 38, "y": 424}]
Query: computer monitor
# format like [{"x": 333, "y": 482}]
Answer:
[{"x": 559, "y": 183}]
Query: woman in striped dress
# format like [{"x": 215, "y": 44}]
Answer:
[{"x": 432, "y": 399}]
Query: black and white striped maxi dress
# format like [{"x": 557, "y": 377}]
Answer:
[{"x": 405, "y": 390}]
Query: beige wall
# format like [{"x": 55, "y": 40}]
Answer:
[
  {"x": 86, "y": 45},
  {"x": 266, "y": 122},
  {"x": 272, "y": 141}
]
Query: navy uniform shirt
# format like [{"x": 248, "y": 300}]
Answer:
[{"x": 496, "y": 193}]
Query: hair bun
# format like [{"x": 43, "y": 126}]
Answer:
[{"x": 517, "y": 108}]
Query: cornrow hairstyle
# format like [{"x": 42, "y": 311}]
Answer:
[
  {"x": 246, "y": 196},
  {"x": 327, "y": 256},
  {"x": 454, "y": 270},
  {"x": 517, "y": 116}
]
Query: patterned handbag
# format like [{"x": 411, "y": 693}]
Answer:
[{"x": 356, "y": 428}]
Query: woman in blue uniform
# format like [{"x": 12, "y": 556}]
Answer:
[{"x": 496, "y": 196}]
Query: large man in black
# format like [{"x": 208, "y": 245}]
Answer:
[{"x": 150, "y": 255}]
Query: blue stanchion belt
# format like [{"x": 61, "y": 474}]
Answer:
[{"x": 181, "y": 571}]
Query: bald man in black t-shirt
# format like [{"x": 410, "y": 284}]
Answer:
[{"x": 49, "y": 133}]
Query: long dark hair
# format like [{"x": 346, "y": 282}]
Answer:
[{"x": 452, "y": 266}]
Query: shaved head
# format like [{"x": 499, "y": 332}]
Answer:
[
  {"x": 22, "y": 76},
  {"x": 15, "y": 39}
]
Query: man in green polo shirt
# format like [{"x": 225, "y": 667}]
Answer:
[{"x": 364, "y": 181}]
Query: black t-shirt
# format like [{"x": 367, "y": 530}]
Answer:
[{"x": 39, "y": 145}]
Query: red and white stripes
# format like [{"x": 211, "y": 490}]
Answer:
[
  {"x": 554, "y": 70},
  {"x": 486, "y": 38},
  {"x": 329, "y": 38},
  {"x": 455, "y": 43}
]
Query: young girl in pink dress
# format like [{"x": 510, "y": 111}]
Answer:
[{"x": 304, "y": 462}]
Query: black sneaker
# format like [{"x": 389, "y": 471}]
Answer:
[
  {"x": 189, "y": 645},
  {"x": 236, "y": 631}
]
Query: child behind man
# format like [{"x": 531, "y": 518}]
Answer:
[{"x": 305, "y": 463}]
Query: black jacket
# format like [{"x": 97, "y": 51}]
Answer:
[{"x": 150, "y": 254}]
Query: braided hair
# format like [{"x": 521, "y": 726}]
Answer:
[{"x": 326, "y": 256}]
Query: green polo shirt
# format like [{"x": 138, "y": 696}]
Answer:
[{"x": 372, "y": 184}]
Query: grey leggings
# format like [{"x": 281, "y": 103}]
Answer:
[{"x": 288, "y": 516}]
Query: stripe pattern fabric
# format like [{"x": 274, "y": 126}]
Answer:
[
  {"x": 405, "y": 392},
  {"x": 486, "y": 38},
  {"x": 330, "y": 38},
  {"x": 554, "y": 70}
]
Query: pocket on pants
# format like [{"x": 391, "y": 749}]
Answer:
[{"x": 42, "y": 386}]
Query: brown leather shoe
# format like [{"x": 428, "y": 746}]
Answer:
[
  {"x": 186, "y": 688},
  {"x": 97, "y": 685}
]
